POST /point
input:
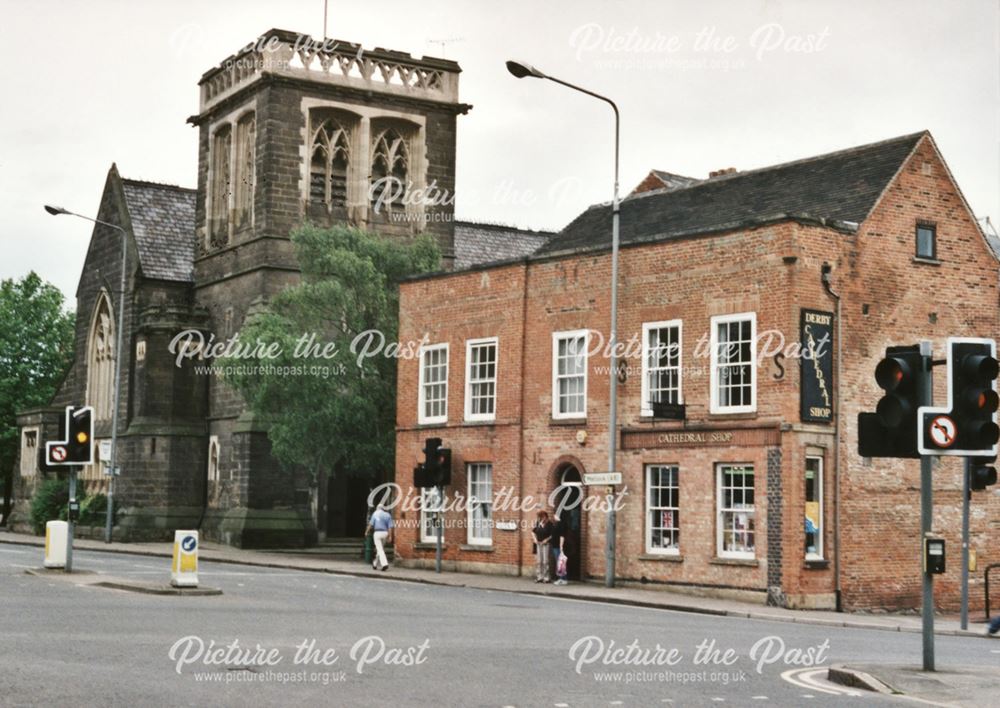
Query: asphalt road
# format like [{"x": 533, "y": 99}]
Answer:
[{"x": 391, "y": 643}]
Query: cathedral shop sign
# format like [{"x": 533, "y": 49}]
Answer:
[
  {"x": 816, "y": 390},
  {"x": 660, "y": 439}
]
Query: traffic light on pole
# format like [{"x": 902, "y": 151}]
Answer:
[
  {"x": 891, "y": 431},
  {"x": 80, "y": 436},
  {"x": 967, "y": 425},
  {"x": 982, "y": 473},
  {"x": 437, "y": 463},
  {"x": 972, "y": 382}
]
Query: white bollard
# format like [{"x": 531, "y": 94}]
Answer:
[
  {"x": 184, "y": 569},
  {"x": 56, "y": 534}
]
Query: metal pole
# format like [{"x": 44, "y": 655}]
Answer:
[
  {"x": 966, "y": 494},
  {"x": 609, "y": 548},
  {"x": 926, "y": 518},
  {"x": 609, "y": 551},
  {"x": 109, "y": 518},
  {"x": 70, "y": 524},
  {"x": 440, "y": 524}
]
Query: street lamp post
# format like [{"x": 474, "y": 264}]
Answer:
[
  {"x": 522, "y": 70},
  {"x": 109, "y": 518}
]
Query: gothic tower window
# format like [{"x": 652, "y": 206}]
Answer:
[
  {"x": 222, "y": 143},
  {"x": 330, "y": 150},
  {"x": 390, "y": 167},
  {"x": 246, "y": 153},
  {"x": 101, "y": 359}
]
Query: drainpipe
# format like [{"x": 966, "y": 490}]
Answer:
[{"x": 826, "y": 269}]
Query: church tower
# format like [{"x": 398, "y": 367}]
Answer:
[{"x": 294, "y": 129}]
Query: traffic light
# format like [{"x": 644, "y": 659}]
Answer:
[
  {"x": 891, "y": 431},
  {"x": 437, "y": 463},
  {"x": 982, "y": 473},
  {"x": 80, "y": 437},
  {"x": 966, "y": 426},
  {"x": 973, "y": 373},
  {"x": 420, "y": 477}
]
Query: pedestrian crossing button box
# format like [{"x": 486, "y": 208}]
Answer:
[{"x": 934, "y": 556}]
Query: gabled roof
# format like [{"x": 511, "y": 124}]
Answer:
[
  {"x": 476, "y": 244},
  {"x": 162, "y": 217},
  {"x": 840, "y": 186}
]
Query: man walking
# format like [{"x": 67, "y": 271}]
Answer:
[{"x": 381, "y": 524}]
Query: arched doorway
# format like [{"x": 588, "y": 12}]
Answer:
[{"x": 568, "y": 505}]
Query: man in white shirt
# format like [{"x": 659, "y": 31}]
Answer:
[{"x": 381, "y": 523}]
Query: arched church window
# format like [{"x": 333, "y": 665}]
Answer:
[
  {"x": 246, "y": 153},
  {"x": 390, "y": 168},
  {"x": 222, "y": 143},
  {"x": 330, "y": 158},
  {"x": 101, "y": 359}
]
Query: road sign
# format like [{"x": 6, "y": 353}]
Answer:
[
  {"x": 57, "y": 454},
  {"x": 184, "y": 567},
  {"x": 598, "y": 479},
  {"x": 942, "y": 431},
  {"x": 105, "y": 451}
]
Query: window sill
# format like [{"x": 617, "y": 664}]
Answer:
[
  {"x": 926, "y": 261},
  {"x": 428, "y": 546},
  {"x": 481, "y": 422},
  {"x": 568, "y": 421},
  {"x": 668, "y": 557},
  {"x": 816, "y": 564},
  {"x": 741, "y": 415},
  {"x": 476, "y": 548},
  {"x": 748, "y": 562},
  {"x": 429, "y": 424}
]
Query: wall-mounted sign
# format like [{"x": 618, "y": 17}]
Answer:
[
  {"x": 816, "y": 337},
  {"x": 506, "y": 525},
  {"x": 591, "y": 479}
]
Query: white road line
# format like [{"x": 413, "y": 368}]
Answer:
[
  {"x": 788, "y": 676},
  {"x": 760, "y": 698}
]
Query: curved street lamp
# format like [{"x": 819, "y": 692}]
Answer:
[
  {"x": 109, "y": 518},
  {"x": 523, "y": 70}
]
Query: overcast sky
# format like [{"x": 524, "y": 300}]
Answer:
[{"x": 701, "y": 86}]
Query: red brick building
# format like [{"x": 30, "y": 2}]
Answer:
[{"x": 753, "y": 486}]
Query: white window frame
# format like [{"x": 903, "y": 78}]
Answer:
[
  {"x": 818, "y": 484},
  {"x": 720, "y": 511},
  {"x": 714, "y": 404},
  {"x": 644, "y": 407},
  {"x": 469, "y": 345},
  {"x": 650, "y": 548},
  {"x": 474, "y": 502},
  {"x": 428, "y": 533},
  {"x": 423, "y": 419},
  {"x": 214, "y": 470},
  {"x": 556, "y": 338}
]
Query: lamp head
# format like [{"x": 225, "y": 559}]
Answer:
[
  {"x": 54, "y": 210},
  {"x": 521, "y": 69}
]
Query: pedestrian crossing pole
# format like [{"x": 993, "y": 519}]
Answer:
[
  {"x": 440, "y": 530},
  {"x": 927, "y": 516}
]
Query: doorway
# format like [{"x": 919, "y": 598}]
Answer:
[{"x": 568, "y": 500}]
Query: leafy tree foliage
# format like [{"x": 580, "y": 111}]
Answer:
[
  {"x": 36, "y": 347},
  {"x": 327, "y": 408}
]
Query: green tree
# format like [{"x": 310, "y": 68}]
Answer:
[
  {"x": 36, "y": 347},
  {"x": 327, "y": 408}
]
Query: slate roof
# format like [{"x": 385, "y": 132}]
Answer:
[
  {"x": 839, "y": 186},
  {"x": 476, "y": 244},
  {"x": 163, "y": 225},
  {"x": 673, "y": 181}
]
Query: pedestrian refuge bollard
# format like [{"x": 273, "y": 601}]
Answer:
[
  {"x": 184, "y": 569},
  {"x": 56, "y": 533}
]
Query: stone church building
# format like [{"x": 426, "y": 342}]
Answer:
[{"x": 289, "y": 131}]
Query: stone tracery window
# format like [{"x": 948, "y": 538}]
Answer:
[
  {"x": 390, "y": 168},
  {"x": 246, "y": 153},
  {"x": 330, "y": 150},
  {"x": 221, "y": 186},
  {"x": 101, "y": 359}
]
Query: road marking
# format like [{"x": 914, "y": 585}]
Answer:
[
  {"x": 806, "y": 678},
  {"x": 562, "y": 705},
  {"x": 760, "y": 698}
]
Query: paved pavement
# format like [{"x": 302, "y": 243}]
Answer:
[{"x": 875, "y": 652}]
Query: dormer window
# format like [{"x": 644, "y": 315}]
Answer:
[{"x": 926, "y": 240}]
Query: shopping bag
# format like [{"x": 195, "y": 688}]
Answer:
[{"x": 561, "y": 565}]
